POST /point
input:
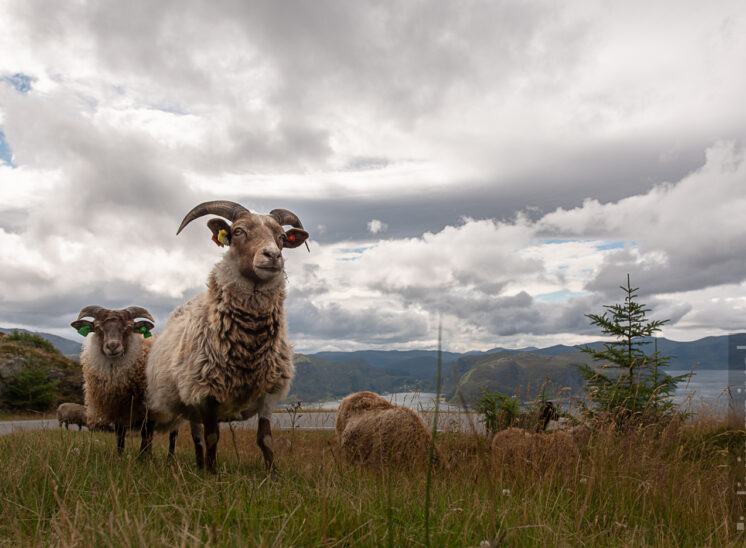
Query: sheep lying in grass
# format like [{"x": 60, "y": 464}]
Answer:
[
  {"x": 375, "y": 432},
  {"x": 540, "y": 450},
  {"x": 71, "y": 413},
  {"x": 113, "y": 363}
]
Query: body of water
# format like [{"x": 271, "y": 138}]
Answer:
[
  {"x": 709, "y": 388},
  {"x": 421, "y": 401},
  {"x": 704, "y": 388}
]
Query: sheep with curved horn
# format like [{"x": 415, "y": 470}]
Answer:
[
  {"x": 113, "y": 361},
  {"x": 226, "y": 351}
]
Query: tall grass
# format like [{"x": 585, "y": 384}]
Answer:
[{"x": 639, "y": 488}]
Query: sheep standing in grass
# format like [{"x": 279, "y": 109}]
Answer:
[
  {"x": 374, "y": 431},
  {"x": 226, "y": 351},
  {"x": 113, "y": 361},
  {"x": 71, "y": 413}
]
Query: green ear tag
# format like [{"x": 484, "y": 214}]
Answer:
[
  {"x": 85, "y": 330},
  {"x": 145, "y": 332}
]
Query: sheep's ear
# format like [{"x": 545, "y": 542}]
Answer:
[
  {"x": 144, "y": 327},
  {"x": 82, "y": 326},
  {"x": 294, "y": 237},
  {"x": 221, "y": 232}
]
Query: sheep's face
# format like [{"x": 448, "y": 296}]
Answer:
[
  {"x": 257, "y": 242},
  {"x": 113, "y": 328}
]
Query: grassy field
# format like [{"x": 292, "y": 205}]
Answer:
[{"x": 68, "y": 488}]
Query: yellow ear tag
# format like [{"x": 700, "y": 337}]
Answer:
[{"x": 223, "y": 236}]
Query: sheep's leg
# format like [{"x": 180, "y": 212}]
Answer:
[
  {"x": 146, "y": 445},
  {"x": 212, "y": 432},
  {"x": 121, "y": 432},
  {"x": 198, "y": 440},
  {"x": 172, "y": 442},
  {"x": 264, "y": 440}
]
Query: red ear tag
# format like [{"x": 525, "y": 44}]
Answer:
[
  {"x": 291, "y": 238},
  {"x": 214, "y": 239}
]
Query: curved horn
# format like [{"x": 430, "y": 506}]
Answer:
[
  {"x": 90, "y": 311},
  {"x": 224, "y": 208},
  {"x": 285, "y": 217},
  {"x": 139, "y": 312}
]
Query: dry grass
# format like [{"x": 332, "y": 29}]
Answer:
[{"x": 638, "y": 488}]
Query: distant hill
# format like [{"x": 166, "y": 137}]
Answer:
[
  {"x": 18, "y": 355},
  {"x": 521, "y": 373},
  {"x": 707, "y": 353},
  {"x": 317, "y": 379},
  {"x": 69, "y": 348},
  {"x": 335, "y": 374}
]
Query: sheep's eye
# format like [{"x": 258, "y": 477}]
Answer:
[{"x": 237, "y": 231}]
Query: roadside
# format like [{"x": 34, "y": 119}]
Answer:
[{"x": 282, "y": 420}]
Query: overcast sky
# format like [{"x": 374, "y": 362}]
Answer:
[{"x": 502, "y": 163}]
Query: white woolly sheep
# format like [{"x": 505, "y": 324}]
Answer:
[
  {"x": 71, "y": 413},
  {"x": 373, "y": 431},
  {"x": 226, "y": 351},
  {"x": 113, "y": 363}
]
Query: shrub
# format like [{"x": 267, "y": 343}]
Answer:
[
  {"x": 498, "y": 410},
  {"x": 31, "y": 389},
  {"x": 31, "y": 339}
]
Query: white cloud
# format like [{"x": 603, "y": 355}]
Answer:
[
  {"x": 375, "y": 226},
  {"x": 525, "y": 157}
]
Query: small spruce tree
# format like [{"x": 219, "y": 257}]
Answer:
[
  {"x": 31, "y": 389},
  {"x": 640, "y": 389}
]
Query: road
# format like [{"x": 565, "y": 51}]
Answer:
[{"x": 447, "y": 421}]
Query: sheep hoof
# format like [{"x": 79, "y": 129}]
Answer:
[{"x": 274, "y": 473}]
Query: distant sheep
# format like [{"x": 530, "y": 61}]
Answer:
[
  {"x": 71, "y": 413},
  {"x": 113, "y": 362},
  {"x": 548, "y": 412},
  {"x": 375, "y": 432},
  {"x": 226, "y": 351}
]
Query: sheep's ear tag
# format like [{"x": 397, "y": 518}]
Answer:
[
  {"x": 85, "y": 330},
  {"x": 222, "y": 237},
  {"x": 145, "y": 332}
]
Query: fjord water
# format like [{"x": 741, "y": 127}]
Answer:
[{"x": 707, "y": 387}]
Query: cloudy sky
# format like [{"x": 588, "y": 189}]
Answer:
[{"x": 503, "y": 164}]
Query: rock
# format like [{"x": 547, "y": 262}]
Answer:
[{"x": 11, "y": 367}]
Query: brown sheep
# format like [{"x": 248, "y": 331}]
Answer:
[
  {"x": 113, "y": 363},
  {"x": 71, "y": 413},
  {"x": 375, "y": 432},
  {"x": 515, "y": 446}
]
